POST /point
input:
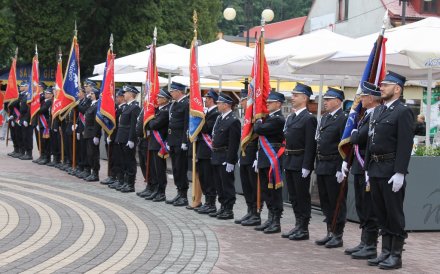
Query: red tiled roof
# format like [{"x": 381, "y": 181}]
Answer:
[
  {"x": 280, "y": 30},
  {"x": 395, "y": 9}
]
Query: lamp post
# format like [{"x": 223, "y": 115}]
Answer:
[{"x": 229, "y": 14}]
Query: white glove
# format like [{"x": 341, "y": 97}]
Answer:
[
  {"x": 255, "y": 166},
  {"x": 109, "y": 140},
  {"x": 259, "y": 120},
  {"x": 354, "y": 130},
  {"x": 229, "y": 167},
  {"x": 184, "y": 147},
  {"x": 25, "y": 124},
  {"x": 10, "y": 118},
  {"x": 12, "y": 123},
  {"x": 168, "y": 147},
  {"x": 148, "y": 133},
  {"x": 55, "y": 130},
  {"x": 73, "y": 127},
  {"x": 339, "y": 177},
  {"x": 367, "y": 178},
  {"x": 37, "y": 128},
  {"x": 305, "y": 172},
  {"x": 238, "y": 162},
  {"x": 130, "y": 144},
  {"x": 397, "y": 180},
  {"x": 344, "y": 168},
  {"x": 78, "y": 136},
  {"x": 96, "y": 140}
]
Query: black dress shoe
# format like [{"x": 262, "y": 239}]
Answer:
[
  {"x": 335, "y": 241},
  {"x": 26, "y": 157},
  {"x": 264, "y": 225},
  {"x": 107, "y": 181},
  {"x": 290, "y": 232},
  {"x": 12, "y": 154},
  {"x": 151, "y": 196},
  {"x": 324, "y": 240},
  {"x": 43, "y": 162},
  {"x": 37, "y": 160},
  {"x": 120, "y": 187},
  {"x": 159, "y": 197},
  {"x": 173, "y": 200},
  {"x": 181, "y": 202},
  {"x": 275, "y": 226},
  {"x": 207, "y": 210},
  {"x": 115, "y": 185},
  {"x": 17, "y": 155},
  {"x": 300, "y": 235},
  {"x": 127, "y": 189},
  {"x": 244, "y": 218},
  {"x": 202, "y": 207},
  {"x": 226, "y": 215},
  {"x": 254, "y": 220},
  {"x": 144, "y": 193},
  {"x": 92, "y": 178},
  {"x": 218, "y": 212}
]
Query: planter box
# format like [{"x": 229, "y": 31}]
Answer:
[{"x": 422, "y": 196}]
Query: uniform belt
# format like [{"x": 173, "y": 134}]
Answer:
[
  {"x": 294, "y": 151},
  {"x": 124, "y": 126},
  {"x": 175, "y": 129},
  {"x": 383, "y": 157},
  {"x": 219, "y": 148},
  {"x": 328, "y": 157}
]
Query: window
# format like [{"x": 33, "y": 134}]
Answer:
[
  {"x": 430, "y": 6},
  {"x": 342, "y": 10}
]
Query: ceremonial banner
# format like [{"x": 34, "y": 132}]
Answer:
[
  {"x": 258, "y": 91},
  {"x": 71, "y": 84},
  {"x": 196, "y": 114},
  {"x": 151, "y": 87},
  {"x": 374, "y": 72},
  {"x": 106, "y": 113},
  {"x": 34, "y": 92},
  {"x": 60, "y": 101},
  {"x": 11, "y": 93}
]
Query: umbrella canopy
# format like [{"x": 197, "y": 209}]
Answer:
[{"x": 132, "y": 77}]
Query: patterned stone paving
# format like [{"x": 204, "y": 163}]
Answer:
[{"x": 51, "y": 222}]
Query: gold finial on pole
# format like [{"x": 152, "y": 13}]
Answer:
[
  {"x": 195, "y": 24},
  {"x": 75, "y": 31},
  {"x": 16, "y": 53},
  {"x": 154, "y": 35},
  {"x": 111, "y": 42},
  {"x": 36, "y": 49}
]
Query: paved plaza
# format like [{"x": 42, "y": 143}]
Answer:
[{"x": 53, "y": 222}]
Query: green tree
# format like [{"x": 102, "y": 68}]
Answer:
[{"x": 6, "y": 32}]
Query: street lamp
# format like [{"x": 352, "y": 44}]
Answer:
[{"x": 229, "y": 14}]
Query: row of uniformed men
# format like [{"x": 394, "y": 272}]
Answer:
[{"x": 383, "y": 143}]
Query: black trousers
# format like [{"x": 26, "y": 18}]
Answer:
[
  {"x": 55, "y": 145},
  {"x": 299, "y": 194},
  {"x": 115, "y": 164},
  {"x": 388, "y": 206},
  {"x": 159, "y": 165},
  {"x": 364, "y": 204},
  {"x": 83, "y": 159},
  {"x": 205, "y": 170},
  {"x": 45, "y": 147},
  {"x": 273, "y": 197},
  {"x": 26, "y": 135},
  {"x": 224, "y": 185},
  {"x": 142, "y": 155},
  {"x": 129, "y": 167},
  {"x": 68, "y": 145},
  {"x": 92, "y": 155},
  {"x": 15, "y": 135},
  {"x": 179, "y": 161},
  {"x": 328, "y": 188},
  {"x": 248, "y": 178}
]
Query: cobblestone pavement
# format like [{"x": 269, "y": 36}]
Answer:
[{"x": 53, "y": 222}]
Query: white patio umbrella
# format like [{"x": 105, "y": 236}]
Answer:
[{"x": 132, "y": 77}]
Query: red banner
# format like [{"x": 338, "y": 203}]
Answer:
[
  {"x": 106, "y": 114},
  {"x": 35, "y": 101},
  {"x": 60, "y": 100},
  {"x": 151, "y": 87},
  {"x": 258, "y": 91},
  {"x": 196, "y": 114},
  {"x": 11, "y": 93}
]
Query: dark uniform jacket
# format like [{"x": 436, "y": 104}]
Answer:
[
  {"x": 159, "y": 123},
  {"x": 250, "y": 153},
  {"x": 69, "y": 121},
  {"x": 360, "y": 138},
  {"x": 203, "y": 151},
  {"x": 25, "y": 110},
  {"x": 178, "y": 123},
  {"x": 392, "y": 132},
  {"x": 45, "y": 109},
  {"x": 329, "y": 136},
  {"x": 12, "y": 105},
  {"x": 127, "y": 123},
  {"x": 82, "y": 107},
  {"x": 226, "y": 139},
  {"x": 92, "y": 128},
  {"x": 300, "y": 141},
  {"x": 272, "y": 129}
]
